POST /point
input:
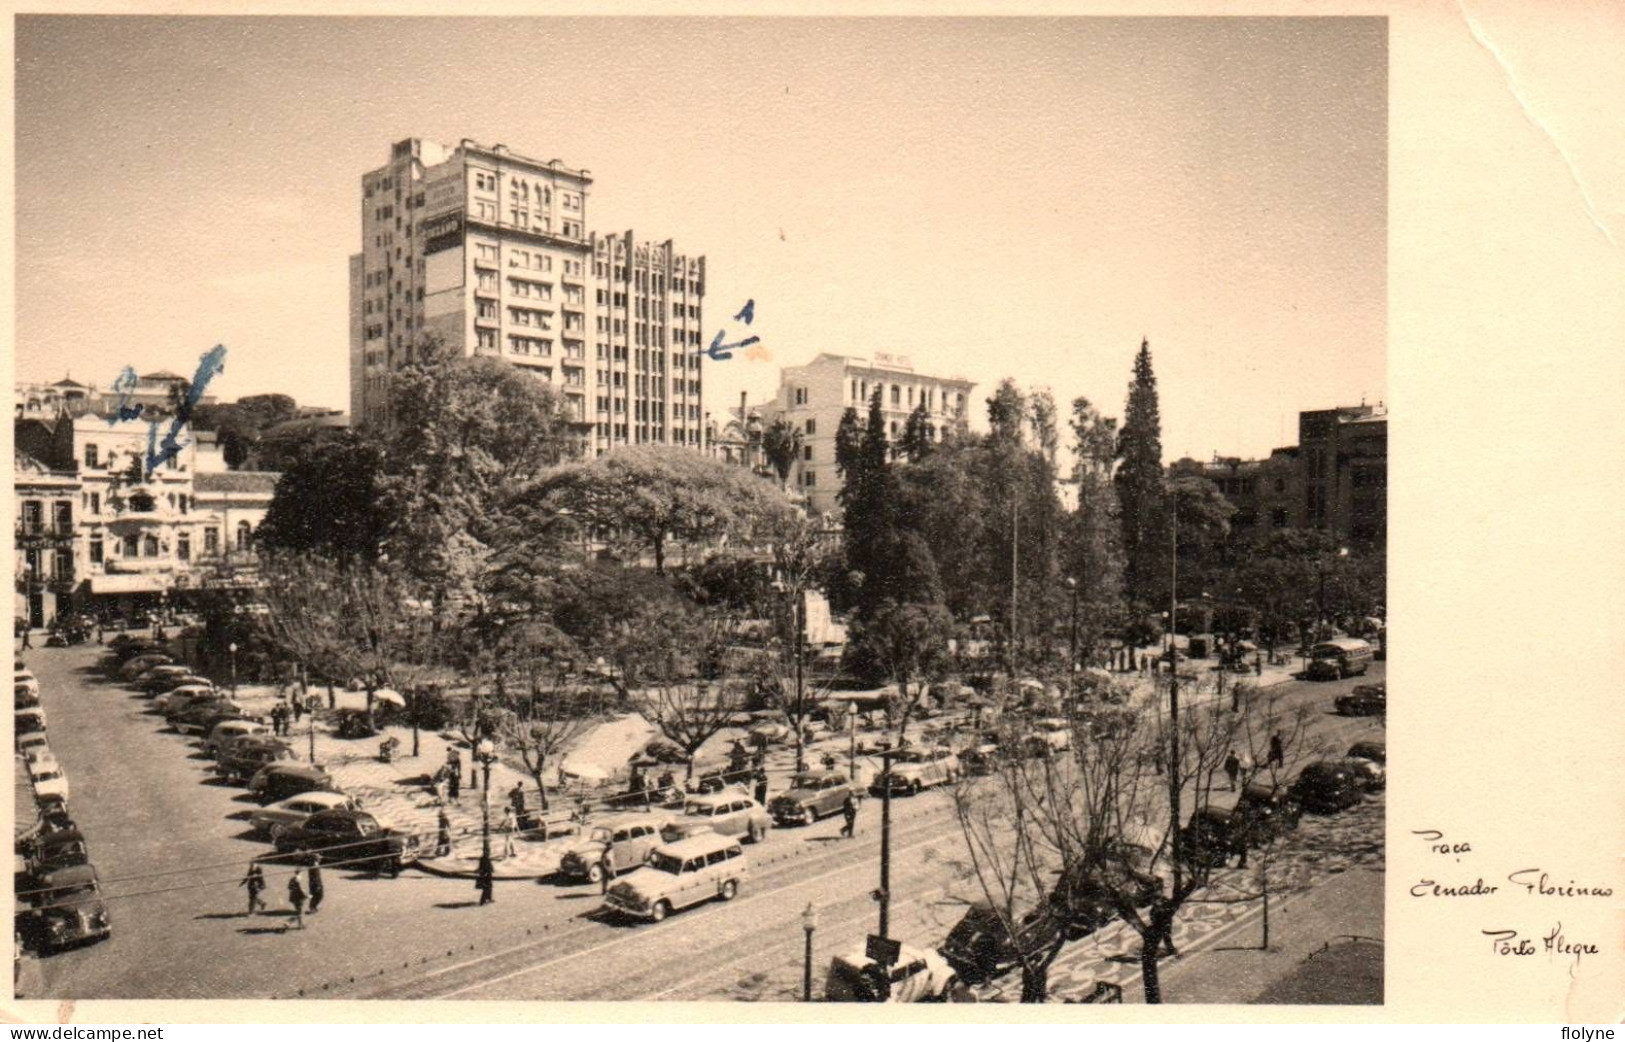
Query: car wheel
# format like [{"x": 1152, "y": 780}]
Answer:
[
  {"x": 756, "y": 833},
  {"x": 659, "y": 912},
  {"x": 595, "y": 873},
  {"x": 808, "y": 816},
  {"x": 730, "y": 889},
  {"x": 278, "y": 832},
  {"x": 914, "y": 788}
]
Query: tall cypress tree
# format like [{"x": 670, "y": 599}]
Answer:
[{"x": 1140, "y": 488}]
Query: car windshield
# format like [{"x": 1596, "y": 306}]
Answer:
[
  {"x": 698, "y": 810},
  {"x": 804, "y": 781},
  {"x": 600, "y": 835},
  {"x": 665, "y": 863}
]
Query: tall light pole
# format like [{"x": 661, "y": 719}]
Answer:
[
  {"x": 485, "y": 752},
  {"x": 232, "y": 647},
  {"x": 809, "y": 923},
  {"x": 883, "y": 895}
]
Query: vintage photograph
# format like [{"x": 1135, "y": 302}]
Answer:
[{"x": 826, "y": 510}]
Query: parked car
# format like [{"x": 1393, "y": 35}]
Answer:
[
  {"x": 1085, "y": 897},
  {"x": 201, "y": 717},
  {"x": 25, "y": 693},
  {"x": 28, "y": 721},
  {"x": 980, "y": 948},
  {"x": 274, "y": 821},
  {"x": 979, "y": 758},
  {"x": 26, "y": 743},
  {"x": 1370, "y": 749},
  {"x": 915, "y": 769},
  {"x": 126, "y": 647},
  {"x": 155, "y": 686},
  {"x": 228, "y": 731},
  {"x": 59, "y": 848},
  {"x": 727, "y": 813},
  {"x": 1327, "y": 786},
  {"x": 48, "y": 778},
  {"x": 134, "y": 667},
  {"x": 681, "y": 874},
  {"x": 278, "y": 781},
  {"x": 630, "y": 841},
  {"x": 1369, "y": 773},
  {"x": 919, "y": 975},
  {"x": 812, "y": 795},
  {"x": 148, "y": 679},
  {"x": 244, "y": 757},
  {"x": 350, "y": 837},
  {"x": 66, "y": 909},
  {"x": 1264, "y": 812},
  {"x": 177, "y": 698},
  {"x": 1049, "y": 736},
  {"x": 1364, "y": 700}
]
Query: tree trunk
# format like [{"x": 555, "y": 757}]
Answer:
[
  {"x": 1149, "y": 946},
  {"x": 541, "y": 786},
  {"x": 660, "y": 555},
  {"x": 1035, "y": 982}
]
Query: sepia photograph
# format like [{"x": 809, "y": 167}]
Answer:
[{"x": 704, "y": 509}]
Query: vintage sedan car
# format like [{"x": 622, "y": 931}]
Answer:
[
  {"x": 679, "y": 875},
  {"x": 66, "y": 909},
  {"x": 347, "y": 837},
  {"x": 1370, "y": 749},
  {"x": 152, "y": 680},
  {"x": 1369, "y": 773},
  {"x": 1264, "y": 812},
  {"x": 1327, "y": 786},
  {"x": 980, "y": 947},
  {"x": 126, "y": 647},
  {"x": 134, "y": 667},
  {"x": 25, "y": 691},
  {"x": 178, "y": 698},
  {"x": 28, "y": 743},
  {"x": 29, "y": 721},
  {"x": 1364, "y": 700},
  {"x": 244, "y": 757},
  {"x": 275, "y": 820},
  {"x": 1085, "y": 897},
  {"x": 226, "y": 732},
  {"x": 48, "y": 778},
  {"x": 982, "y": 754},
  {"x": 58, "y": 848},
  {"x": 155, "y": 686},
  {"x": 630, "y": 842},
  {"x": 919, "y": 975},
  {"x": 278, "y": 781},
  {"x": 812, "y": 795},
  {"x": 1049, "y": 736},
  {"x": 913, "y": 770},
  {"x": 201, "y": 718},
  {"x": 728, "y": 813}
]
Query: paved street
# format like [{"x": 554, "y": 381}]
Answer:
[{"x": 171, "y": 844}]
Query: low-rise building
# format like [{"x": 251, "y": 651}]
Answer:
[{"x": 45, "y": 573}]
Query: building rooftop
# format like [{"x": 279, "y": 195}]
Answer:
[{"x": 262, "y": 482}]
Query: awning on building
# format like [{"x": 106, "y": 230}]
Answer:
[{"x": 129, "y": 583}]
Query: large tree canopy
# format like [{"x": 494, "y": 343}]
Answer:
[
  {"x": 1140, "y": 490},
  {"x": 328, "y": 500}
]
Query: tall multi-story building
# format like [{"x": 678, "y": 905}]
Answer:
[
  {"x": 489, "y": 251},
  {"x": 813, "y": 397},
  {"x": 1335, "y": 479},
  {"x": 46, "y": 499}
]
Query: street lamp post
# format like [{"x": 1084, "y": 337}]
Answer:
[
  {"x": 809, "y": 923},
  {"x": 852, "y": 739},
  {"x": 486, "y": 754},
  {"x": 232, "y": 647},
  {"x": 883, "y": 895}
]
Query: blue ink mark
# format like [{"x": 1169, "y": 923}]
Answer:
[
  {"x": 721, "y": 352},
  {"x": 125, "y": 386},
  {"x": 748, "y": 315},
  {"x": 212, "y": 363}
]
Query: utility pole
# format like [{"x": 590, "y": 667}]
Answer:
[
  {"x": 1173, "y": 694},
  {"x": 801, "y": 705},
  {"x": 884, "y": 893}
]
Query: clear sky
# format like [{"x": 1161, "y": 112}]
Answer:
[{"x": 992, "y": 197}]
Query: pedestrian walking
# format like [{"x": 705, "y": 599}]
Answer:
[
  {"x": 443, "y": 844},
  {"x": 99, "y": 633},
  {"x": 761, "y": 787},
  {"x": 1277, "y": 751},
  {"x": 255, "y": 882},
  {"x": 314, "y": 875},
  {"x": 298, "y": 711},
  {"x": 1248, "y": 768},
  {"x": 28, "y": 641},
  {"x": 516, "y": 799},
  {"x": 849, "y": 812},
  {"x": 296, "y": 898},
  {"x": 454, "y": 786},
  {"x": 606, "y": 868},
  {"x": 485, "y": 881},
  {"x": 510, "y": 825},
  {"x": 1232, "y": 767}
]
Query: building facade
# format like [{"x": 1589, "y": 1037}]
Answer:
[
  {"x": 151, "y": 392},
  {"x": 813, "y": 397},
  {"x": 46, "y": 500},
  {"x": 1334, "y": 480},
  {"x": 489, "y": 251}
]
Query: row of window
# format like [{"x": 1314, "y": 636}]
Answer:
[
  {"x": 915, "y": 396},
  {"x": 679, "y": 435}
]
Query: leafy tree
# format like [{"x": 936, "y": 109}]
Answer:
[
  {"x": 781, "y": 443},
  {"x": 689, "y": 713},
  {"x": 919, "y": 435},
  {"x": 909, "y": 642},
  {"x": 1201, "y": 517},
  {"x": 1140, "y": 491},
  {"x": 1093, "y": 547},
  {"x": 328, "y": 501},
  {"x": 240, "y": 424},
  {"x": 631, "y": 618},
  {"x": 869, "y": 502},
  {"x": 659, "y": 495},
  {"x": 1043, "y": 416},
  {"x": 848, "y": 441},
  {"x": 1007, "y": 413}
]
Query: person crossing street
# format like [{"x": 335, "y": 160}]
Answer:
[
  {"x": 849, "y": 812},
  {"x": 255, "y": 882},
  {"x": 314, "y": 874},
  {"x": 606, "y": 866},
  {"x": 296, "y": 898}
]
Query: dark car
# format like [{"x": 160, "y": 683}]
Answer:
[
  {"x": 1212, "y": 838},
  {"x": 247, "y": 755},
  {"x": 156, "y": 683},
  {"x": 350, "y": 837},
  {"x": 1364, "y": 700},
  {"x": 66, "y": 910},
  {"x": 278, "y": 781},
  {"x": 1085, "y": 897},
  {"x": 60, "y": 848},
  {"x": 1375, "y": 751},
  {"x": 200, "y": 719},
  {"x": 980, "y": 948},
  {"x": 1326, "y": 787},
  {"x": 1263, "y": 813},
  {"x": 812, "y": 795},
  {"x": 126, "y": 647}
]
